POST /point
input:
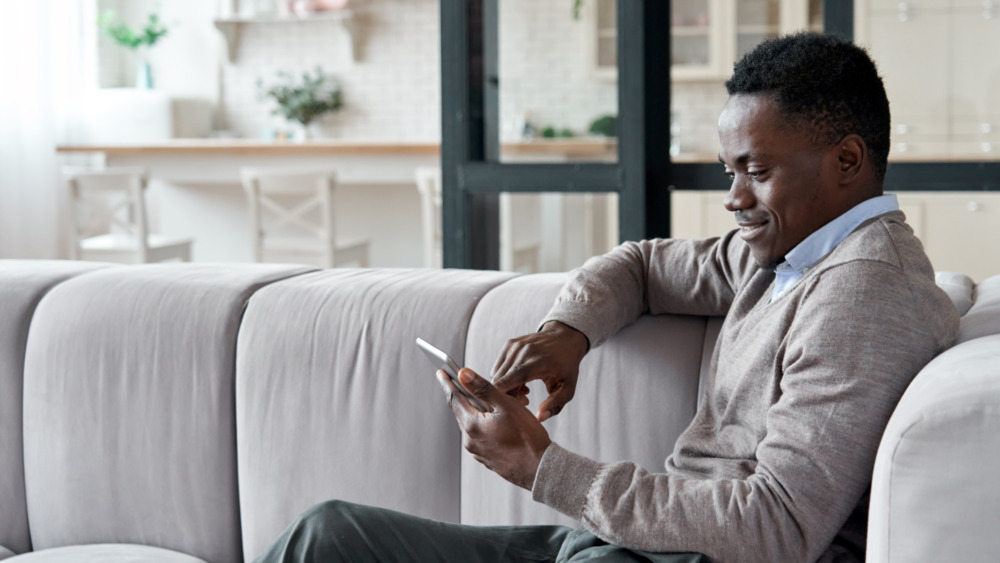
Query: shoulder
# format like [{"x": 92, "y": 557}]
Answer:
[
  {"x": 881, "y": 270},
  {"x": 885, "y": 239}
]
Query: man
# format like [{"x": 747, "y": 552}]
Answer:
[{"x": 831, "y": 309}]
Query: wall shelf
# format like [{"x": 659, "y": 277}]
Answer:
[{"x": 231, "y": 27}]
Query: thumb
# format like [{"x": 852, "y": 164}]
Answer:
[
  {"x": 555, "y": 402},
  {"x": 475, "y": 384}
]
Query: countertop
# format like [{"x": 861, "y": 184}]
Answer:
[
  {"x": 578, "y": 149},
  {"x": 571, "y": 147}
]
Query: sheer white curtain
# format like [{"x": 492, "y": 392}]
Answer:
[{"x": 47, "y": 63}]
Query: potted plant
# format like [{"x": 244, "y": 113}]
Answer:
[
  {"x": 304, "y": 100},
  {"x": 136, "y": 40}
]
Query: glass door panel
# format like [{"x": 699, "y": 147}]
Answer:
[
  {"x": 558, "y": 86},
  {"x": 555, "y": 232},
  {"x": 691, "y": 36},
  {"x": 756, "y": 21}
]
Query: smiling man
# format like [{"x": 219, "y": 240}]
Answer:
[{"x": 831, "y": 309}]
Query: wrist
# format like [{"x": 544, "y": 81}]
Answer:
[{"x": 578, "y": 339}]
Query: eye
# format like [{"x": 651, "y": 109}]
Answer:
[
  {"x": 730, "y": 174},
  {"x": 756, "y": 174}
]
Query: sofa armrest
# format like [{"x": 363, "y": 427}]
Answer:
[{"x": 935, "y": 495}]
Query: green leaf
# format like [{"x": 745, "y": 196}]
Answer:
[{"x": 303, "y": 100}]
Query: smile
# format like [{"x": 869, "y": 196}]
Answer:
[{"x": 751, "y": 231}]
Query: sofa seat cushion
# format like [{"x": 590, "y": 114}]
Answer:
[{"x": 106, "y": 553}]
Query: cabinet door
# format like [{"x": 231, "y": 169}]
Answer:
[
  {"x": 699, "y": 214},
  {"x": 699, "y": 39},
  {"x": 975, "y": 102},
  {"x": 605, "y": 47},
  {"x": 756, "y": 21},
  {"x": 912, "y": 56},
  {"x": 961, "y": 232}
]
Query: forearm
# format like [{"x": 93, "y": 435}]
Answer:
[
  {"x": 654, "y": 276},
  {"x": 727, "y": 520}
]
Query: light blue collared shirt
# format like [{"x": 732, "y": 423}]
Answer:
[{"x": 825, "y": 239}]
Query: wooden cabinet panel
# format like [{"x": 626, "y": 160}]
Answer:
[
  {"x": 976, "y": 77},
  {"x": 913, "y": 61},
  {"x": 961, "y": 230}
]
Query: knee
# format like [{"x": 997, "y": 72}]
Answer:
[{"x": 325, "y": 513}]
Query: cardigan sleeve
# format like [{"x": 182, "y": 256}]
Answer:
[{"x": 688, "y": 277}]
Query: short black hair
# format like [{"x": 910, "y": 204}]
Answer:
[{"x": 828, "y": 84}]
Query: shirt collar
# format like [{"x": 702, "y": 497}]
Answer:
[{"x": 822, "y": 241}]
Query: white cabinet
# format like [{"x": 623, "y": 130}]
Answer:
[
  {"x": 938, "y": 60},
  {"x": 708, "y": 36},
  {"x": 960, "y": 230},
  {"x": 700, "y": 35},
  {"x": 910, "y": 57}
]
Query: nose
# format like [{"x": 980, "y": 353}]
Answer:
[{"x": 740, "y": 195}]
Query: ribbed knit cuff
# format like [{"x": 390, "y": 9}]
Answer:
[
  {"x": 576, "y": 315},
  {"x": 563, "y": 480}
]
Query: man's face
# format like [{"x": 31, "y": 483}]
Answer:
[{"x": 783, "y": 183}]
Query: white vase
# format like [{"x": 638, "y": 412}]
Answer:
[{"x": 144, "y": 75}]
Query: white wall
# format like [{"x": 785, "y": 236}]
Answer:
[{"x": 392, "y": 91}]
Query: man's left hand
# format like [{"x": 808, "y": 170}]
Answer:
[{"x": 509, "y": 441}]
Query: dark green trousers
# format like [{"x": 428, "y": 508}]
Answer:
[{"x": 341, "y": 531}]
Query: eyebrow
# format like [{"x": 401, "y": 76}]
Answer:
[{"x": 739, "y": 159}]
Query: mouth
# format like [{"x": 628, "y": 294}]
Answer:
[{"x": 750, "y": 231}]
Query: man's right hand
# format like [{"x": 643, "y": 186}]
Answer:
[{"x": 552, "y": 355}]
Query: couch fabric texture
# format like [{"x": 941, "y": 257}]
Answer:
[{"x": 186, "y": 412}]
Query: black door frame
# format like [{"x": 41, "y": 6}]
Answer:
[
  {"x": 643, "y": 176},
  {"x": 472, "y": 174}
]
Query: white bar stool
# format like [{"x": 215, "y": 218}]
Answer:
[
  {"x": 515, "y": 255},
  {"x": 292, "y": 218},
  {"x": 109, "y": 220},
  {"x": 429, "y": 186}
]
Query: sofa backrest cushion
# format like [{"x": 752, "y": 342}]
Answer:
[
  {"x": 336, "y": 401},
  {"x": 129, "y": 422},
  {"x": 959, "y": 287},
  {"x": 983, "y": 317},
  {"x": 635, "y": 394},
  {"x": 942, "y": 442},
  {"x": 23, "y": 283}
]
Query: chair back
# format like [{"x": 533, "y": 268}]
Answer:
[
  {"x": 291, "y": 202},
  {"x": 429, "y": 186},
  {"x": 109, "y": 201}
]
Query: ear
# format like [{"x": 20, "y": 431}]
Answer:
[{"x": 852, "y": 157}]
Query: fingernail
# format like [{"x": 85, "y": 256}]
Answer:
[{"x": 466, "y": 376}]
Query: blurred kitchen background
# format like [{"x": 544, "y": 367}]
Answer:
[{"x": 193, "y": 110}]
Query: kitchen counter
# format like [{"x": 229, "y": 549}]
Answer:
[{"x": 575, "y": 149}]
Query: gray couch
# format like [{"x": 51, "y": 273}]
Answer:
[{"x": 187, "y": 412}]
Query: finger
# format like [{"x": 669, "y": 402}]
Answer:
[
  {"x": 505, "y": 362},
  {"x": 477, "y": 386},
  {"x": 555, "y": 402},
  {"x": 506, "y": 351},
  {"x": 456, "y": 400},
  {"x": 516, "y": 372},
  {"x": 523, "y": 400}
]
